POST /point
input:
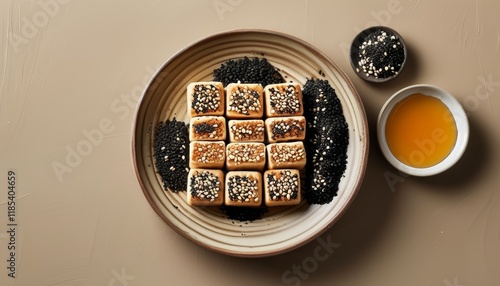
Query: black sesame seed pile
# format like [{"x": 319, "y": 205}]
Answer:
[
  {"x": 242, "y": 189},
  {"x": 286, "y": 101},
  {"x": 328, "y": 138},
  {"x": 244, "y": 100},
  {"x": 283, "y": 187},
  {"x": 205, "y": 185},
  {"x": 247, "y": 70},
  {"x": 283, "y": 128},
  {"x": 244, "y": 213},
  {"x": 381, "y": 55},
  {"x": 206, "y": 98},
  {"x": 171, "y": 153}
]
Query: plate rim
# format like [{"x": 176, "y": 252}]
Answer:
[{"x": 364, "y": 137}]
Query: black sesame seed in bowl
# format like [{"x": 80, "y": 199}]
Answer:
[{"x": 378, "y": 54}]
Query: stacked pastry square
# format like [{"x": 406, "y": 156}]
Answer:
[{"x": 230, "y": 162}]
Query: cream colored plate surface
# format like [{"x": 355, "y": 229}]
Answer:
[{"x": 280, "y": 229}]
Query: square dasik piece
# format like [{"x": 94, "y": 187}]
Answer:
[
  {"x": 244, "y": 101},
  {"x": 282, "y": 187},
  {"x": 209, "y": 128},
  {"x": 207, "y": 154},
  {"x": 290, "y": 155},
  {"x": 205, "y": 98},
  {"x": 284, "y": 99},
  {"x": 245, "y": 156},
  {"x": 281, "y": 129},
  {"x": 246, "y": 130},
  {"x": 243, "y": 188},
  {"x": 205, "y": 187}
]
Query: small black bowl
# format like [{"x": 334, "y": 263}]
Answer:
[{"x": 355, "y": 58}]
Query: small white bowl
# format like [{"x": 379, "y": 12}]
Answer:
[{"x": 458, "y": 114}]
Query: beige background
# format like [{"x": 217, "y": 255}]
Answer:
[{"x": 73, "y": 68}]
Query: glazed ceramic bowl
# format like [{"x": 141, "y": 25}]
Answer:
[{"x": 459, "y": 117}]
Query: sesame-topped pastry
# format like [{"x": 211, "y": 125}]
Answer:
[
  {"x": 283, "y": 99},
  {"x": 251, "y": 130},
  {"x": 210, "y": 128},
  {"x": 245, "y": 156},
  {"x": 243, "y": 188},
  {"x": 207, "y": 154},
  {"x": 205, "y": 98},
  {"x": 280, "y": 129},
  {"x": 282, "y": 187},
  {"x": 244, "y": 100},
  {"x": 290, "y": 155},
  {"x": 205, "y": 187}
]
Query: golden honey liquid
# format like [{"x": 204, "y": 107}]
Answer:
[{"x": 420, "y": 131}]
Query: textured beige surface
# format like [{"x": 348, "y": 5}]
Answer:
[{"x": 71, "y": 73}]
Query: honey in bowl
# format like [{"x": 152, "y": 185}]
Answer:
[{"x": 420, "y": 131}]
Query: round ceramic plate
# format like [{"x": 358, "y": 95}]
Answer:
[{"x": 280, "y": 229}]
